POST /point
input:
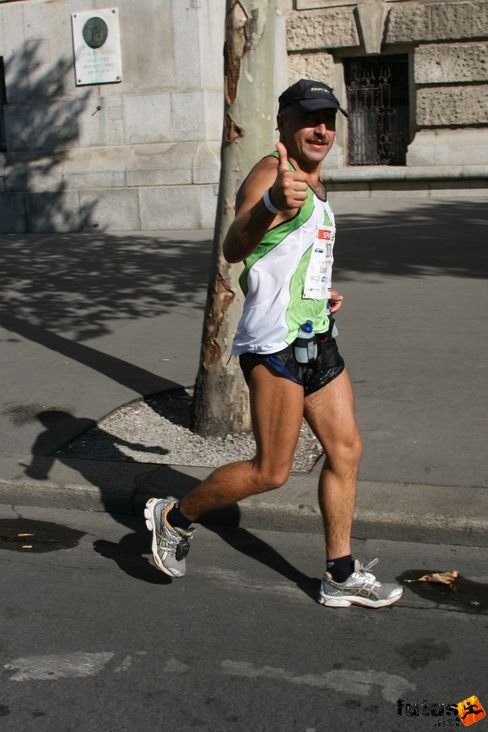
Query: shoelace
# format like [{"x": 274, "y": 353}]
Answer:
[
  {"x": 369, "y": 579},
  {"x": 370, "y": 565}
]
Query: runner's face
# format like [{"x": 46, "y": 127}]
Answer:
[{"x": 308, "y": 136}]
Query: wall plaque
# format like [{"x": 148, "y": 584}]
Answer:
[{"x": 96, "y": 44}]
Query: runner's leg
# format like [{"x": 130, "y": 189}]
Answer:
[
  {"x": 330, "y": 413},
  {"x": 276, "y": 411}
]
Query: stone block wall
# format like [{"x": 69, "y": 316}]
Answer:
[
  {"x": 451, "y": 63},
  {"x": 140, "y": 154},
  {"x": 444, "y": 20},
  {"x": 145, "y": 153},
  {"x": 328, "y": 28},
  {"x": 447, "y": 41}
]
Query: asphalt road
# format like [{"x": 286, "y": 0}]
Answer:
[{"x": 94, "y": 639}]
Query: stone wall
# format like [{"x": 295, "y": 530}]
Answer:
[
  {"x": 140, "y": 154},
  {"x": 325, "y": 29},
  {"x": 451, "y": 63},
  {"x": 447, "y": 41},
  {"x": 145, "y": 153},
  {"x": 436, "y": 21}
]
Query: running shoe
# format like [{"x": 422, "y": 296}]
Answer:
[
  {"x": 170, "y": 545},
  {"x": 360, "y": 588}
]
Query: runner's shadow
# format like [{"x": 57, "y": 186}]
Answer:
[
  {"x": 130, "y": 555},
  {"x": 252, "y": 546},
  {"x": 129, "y": 552},
  {"x": 59, "y": 423},
  {"x": 123, "y": 483}
]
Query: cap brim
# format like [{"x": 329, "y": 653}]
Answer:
[{"x": 314, "y": 105}]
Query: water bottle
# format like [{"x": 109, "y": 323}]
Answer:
[{"x": 305, "y": 348}]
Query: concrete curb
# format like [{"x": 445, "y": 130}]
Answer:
[{"x": 394, "y": 511}]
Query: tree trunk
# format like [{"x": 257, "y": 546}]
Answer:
[{"x": 221, "y": 404}]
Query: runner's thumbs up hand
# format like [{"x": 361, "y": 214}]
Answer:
[{"x": 290, "y": 187}]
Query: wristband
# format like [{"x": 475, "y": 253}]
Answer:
[{"x": 267, "y": 202}]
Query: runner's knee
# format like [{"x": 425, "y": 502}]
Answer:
[
  {"x": 356, "y": 447},
  {"x": 271, "y": 477},
  {"x": 345, "y": 453},
  {"x": 353, "y": 448}
]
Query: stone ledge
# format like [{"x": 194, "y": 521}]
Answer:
[{"x": 369, "y": 173}]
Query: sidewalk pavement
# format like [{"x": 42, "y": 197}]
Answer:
[
  {"x": 408, "y": 512},
  {"x": 89, "y": 322}
]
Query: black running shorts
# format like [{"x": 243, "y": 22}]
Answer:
[{"x": 312, "y": 376}]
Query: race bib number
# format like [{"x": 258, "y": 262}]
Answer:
[{"x": 318, "y": 280}]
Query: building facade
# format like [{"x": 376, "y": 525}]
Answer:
[
  {"x": 138, "y": 153},
  {"x": 414, "y": 77},
  {"x": 131, "y": 141}
]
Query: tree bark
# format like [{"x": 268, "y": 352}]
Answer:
[{"x": 221, "y": 404}]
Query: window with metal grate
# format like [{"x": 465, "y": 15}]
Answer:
[{"x": 378, "y": 105}]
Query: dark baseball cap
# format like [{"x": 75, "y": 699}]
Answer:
[{"x": 310, "y": 96}]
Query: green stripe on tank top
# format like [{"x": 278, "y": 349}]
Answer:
[
  {"x": 301, "y": 309},
  {"x": 275, "y": 236}
]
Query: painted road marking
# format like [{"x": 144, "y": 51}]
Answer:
[
  {"x": 82, "y": 665},
  {"x": 52, "y": 667},
  {"x": 354, "y": 682}
]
